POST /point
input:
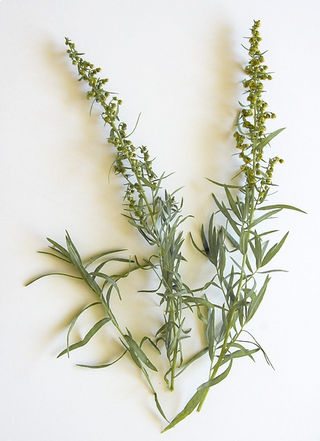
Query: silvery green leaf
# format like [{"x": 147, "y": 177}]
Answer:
[
  {"x": 256, "y": 300},
  {"x": 269, "y": 138},
  {"x": 235, "y": 225},
  {"x": 264, "y": 217},
  {"x": 273, "y": 251},
  {"x": 87, "y": 337},
  {"x": 216, "y": 380},
  {"x": 135, "y": 349},
  {"x": 233, "y": 203},
  {"x": 188, "y": 409},
  {"x": 281, "y": 207},
  {"x": 102, "y": 366},
  {"x": 210, "y": 333}
]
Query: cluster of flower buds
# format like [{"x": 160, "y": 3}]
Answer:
[
  {"x": 251, "y": 128},
  {"x": 132, "y": 162}
]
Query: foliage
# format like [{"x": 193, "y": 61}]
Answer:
[{"x": 240, "y": 250}]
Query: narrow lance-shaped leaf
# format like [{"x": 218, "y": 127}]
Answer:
[
  {"x": 200, "y": 301},
  {"x": 269, "y": 138},
  {"x": 210, "y": 333},
  {"x": 188, "y": 409},
  {"x": 264, "y": 217},
  {"x": 205, "y": 242},
  {"x": 242, "y": 352},
  {"x": 232, "y": 203},
  {"x": 244, "y": 240},
  {"x": 102, "y": 366},
  {"x": 155, "y": 395},
  {"x": 224, "y": 185},
  {"x": 222, "y": 252},
  {"x": 216, "y": 380},
  {"x": 73, "y": 252},
  {"x": 227, "y": 215},
  {"x": 257, "y": 249},
  {"x": 52, "y": 274},
  {"x": 59, "y": 248},
  {"x": 87, "y": 337},
  {"x": 282, "y": 207},
  {"x": 64, "y": 259},
  {"x": 212, "y": 239},
  {"x": 256, "y": 301},
  {"x": 107, "y": 279},
  {"x": 103, "y": 254},
  {"x": 139, "y": 353},
  {"x": 191, "y": 360},
  {"x": 77, "y": 262},
  {"x": 196, "y": 246},
  {"x": 74, "y": 320},
  {"x": 232, "y": 240},
  {"x": 274, "y": 250}
]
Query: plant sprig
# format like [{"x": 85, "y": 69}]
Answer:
[
  {"x": 157, "y": 217},
  {"x": 240, "y": 249}
]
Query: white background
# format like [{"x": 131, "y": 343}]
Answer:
[{"x": 178, "y": 63}]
